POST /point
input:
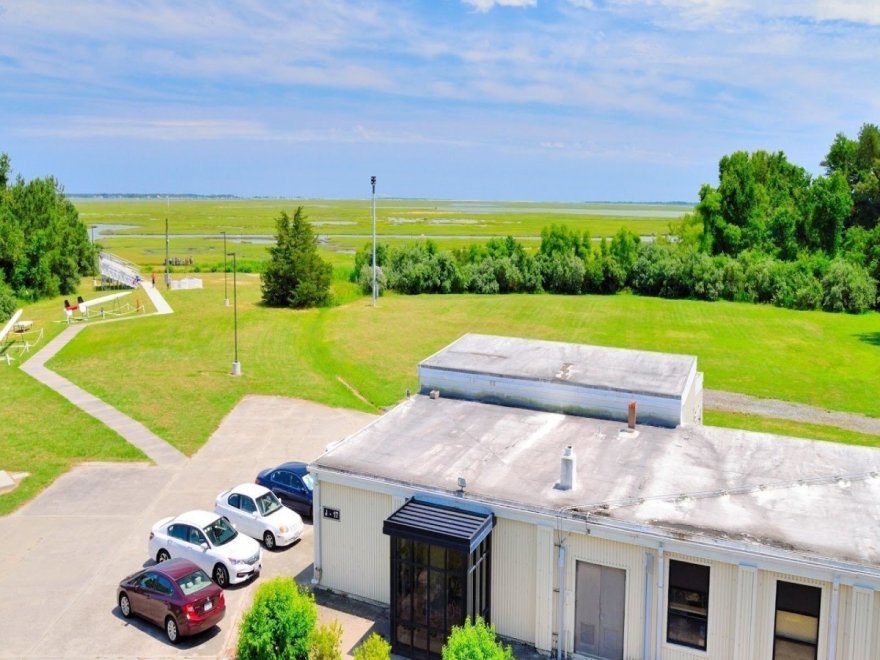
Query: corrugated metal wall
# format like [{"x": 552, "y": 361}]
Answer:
[
  {"x": 766, "y": 615},
  {"x": 722, "y": 611},
  {"x": 513, "y": 579},
  {"x": 355, "y": 551}
]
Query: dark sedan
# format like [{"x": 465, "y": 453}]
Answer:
[
  {"x": 176, "y": 594},
  {"x": 292, "y": 483}
]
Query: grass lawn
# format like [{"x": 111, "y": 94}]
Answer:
[
  {"x": 171, "y": 372},
  {"x": 45, "y": 435},
  {"x": 788, "y": 427}
]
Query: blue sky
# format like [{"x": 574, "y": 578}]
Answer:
[{"x": 569, "y": 100}]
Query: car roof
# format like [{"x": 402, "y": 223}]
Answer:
[
  {"x": 175, "y": 568},
  {"x": 297, "y": 467},
  {"x": 251, "y": 490},
  {"x": 196, "y": 517}
]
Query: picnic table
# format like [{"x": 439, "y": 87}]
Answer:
[{"x": 22, "y": 326}]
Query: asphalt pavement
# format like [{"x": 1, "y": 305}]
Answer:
[{"x": 65, "y": 552}]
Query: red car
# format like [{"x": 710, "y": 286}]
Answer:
[{"x": 176, "y": 594}]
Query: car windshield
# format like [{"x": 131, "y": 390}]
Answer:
[
  {"x": 268, "y": 503},
  {"x": 307, "y": 480},
  {"x": 195, "y": 581},
  {"x": 220, "y": 531}
]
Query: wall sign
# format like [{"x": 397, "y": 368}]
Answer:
[{"x": 333, "y": 514}]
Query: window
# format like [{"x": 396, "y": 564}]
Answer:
[
  {"x": 234, "y": 501},
  {"x": 196, "y": 537},
  {"x": 164, "y": 586},
  {"x": 797, "y": 621},
  {"x": 247, "y": 505},
  {"x": 281, "y": 477},
  {"x": 687, "y": 618},
  {"x": 180, "y": 532}
]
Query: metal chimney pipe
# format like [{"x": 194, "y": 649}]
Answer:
[
  {"x": 631, "y": 416},
  {"x": 568, "y": 472}
]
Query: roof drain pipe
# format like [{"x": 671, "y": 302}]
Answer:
[
  {"x": 832, "y": 626},
  {"x": 646, "y": 632},
  {"x": 316, "y": 529},
  {"x": 658, "y": 640},
  {"x": 560, "y": 602}
]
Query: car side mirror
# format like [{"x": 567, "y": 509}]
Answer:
[{"x": 203, "y": 545}]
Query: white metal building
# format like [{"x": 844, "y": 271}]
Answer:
[{"x": 579, "y": 535}]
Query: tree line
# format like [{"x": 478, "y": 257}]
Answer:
[
  {"x": 768, "y": 233},
  {"x": 44, "y": 247}
]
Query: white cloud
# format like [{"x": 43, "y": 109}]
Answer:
[
  {"x": 149, "y": 129},
  {"x": 486, "y": 5}
]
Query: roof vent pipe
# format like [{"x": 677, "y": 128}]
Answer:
[
  {"x": 631, "y": 415},
  {"x": 568, "y": 473}
]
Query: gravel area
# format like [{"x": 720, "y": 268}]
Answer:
[{"x": 741, "y": 403}]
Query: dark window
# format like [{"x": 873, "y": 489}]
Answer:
[
  {"x": 148, "y": 581},
  {"x": 165, "y": 586},
  {"x": 196, "y": 537},
  {"x": 281, "y": 477},
  {"x": 247, "y": 505},
  {"x": 178, "y": 532},
  {"x": 797, "y": 621},
  {"x": 235, "y": 501},
  {"x": 687, "y": 618}
]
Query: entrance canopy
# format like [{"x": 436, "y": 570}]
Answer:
[{"x": 439, "y": 525}]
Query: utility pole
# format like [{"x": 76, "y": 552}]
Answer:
[{"x": 375, "y": 289}]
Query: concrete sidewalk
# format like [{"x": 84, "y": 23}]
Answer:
[
  {"x": 131, "y": 430},
  {"x": 158, "y": 300}
]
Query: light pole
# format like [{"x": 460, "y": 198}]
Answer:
[
  {"x": 167, "y": 265},
  {"x": 225, "y": 285},
  {"x": 236, "y": 365},
  {"x": 375, "y": 290}
]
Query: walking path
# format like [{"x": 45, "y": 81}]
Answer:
[
  {"x": 799, "y": 412},
  {"x": 133, "y": 431}
]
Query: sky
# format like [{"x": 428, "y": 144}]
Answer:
[{"x": 544, "y": 100}]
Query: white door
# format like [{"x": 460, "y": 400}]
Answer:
[{"x": 600, "y": 597}]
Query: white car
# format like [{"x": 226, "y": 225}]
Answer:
[
  {"x": 210, "y": 542},
  {"x": 257, "y": 512}
]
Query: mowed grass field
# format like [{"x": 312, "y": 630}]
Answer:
[{"x": 172, "y": 372}]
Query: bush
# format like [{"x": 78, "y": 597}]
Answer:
[
  {"x": 327, "y": 640},
  {"x": 365, "y": 280},
  {"x": 475, "y": 641},
  {"x": 373, "y": 648},
  {"x": 562, "y": 272},
  {"x": 847, "y": 287},
  {"x": 8, "y": 304},
  {"x": 279, "y": 624},
  {"x": 480, "y": 277}
]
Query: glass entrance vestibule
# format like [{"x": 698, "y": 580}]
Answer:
[{"x": 440, "y": 574}]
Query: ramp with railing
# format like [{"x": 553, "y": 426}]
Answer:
[{"x": 118, "y": 270}]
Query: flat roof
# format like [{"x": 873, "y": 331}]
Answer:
[
  {"x": 813, "y": 498},
  {"x": 647, "y": 372}
]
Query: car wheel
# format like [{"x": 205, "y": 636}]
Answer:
[
  {"x": 162, "y": 555},
  {"x": 171, "y": 630},
  {"x": 269, "y": 540},
  {"x": 221, "y": 576},
  {"x": 124, "y": 605}
]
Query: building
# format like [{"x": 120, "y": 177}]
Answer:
[{"x": 581, "y": 535}]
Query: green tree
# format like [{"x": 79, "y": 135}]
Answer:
[
  {"x": 832, "y": 205},
  {"x": 279, "y": 624},
  {"x": 859, "y": 162},
  {"x": 295, "y": 275},
  {"x": 44, "y": 247},
  {"x": 475, "y": 641}
]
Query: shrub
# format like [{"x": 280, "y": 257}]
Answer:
[
  {"x": 8, "y": 304},
  {"x": 562, "y": 272},
  {"x": 475, "y": 641},
  {"x": 373, "y": 648},
  {"x": 327, "y": 640},
  {"x": 480, "y": 277},
  {"x": 365, "y": 280},
  {"x": 279, "y": 624},
  {"x": 847, "y": 287}
]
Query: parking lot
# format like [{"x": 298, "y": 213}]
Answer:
[{"x": 64, "y": 553}]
